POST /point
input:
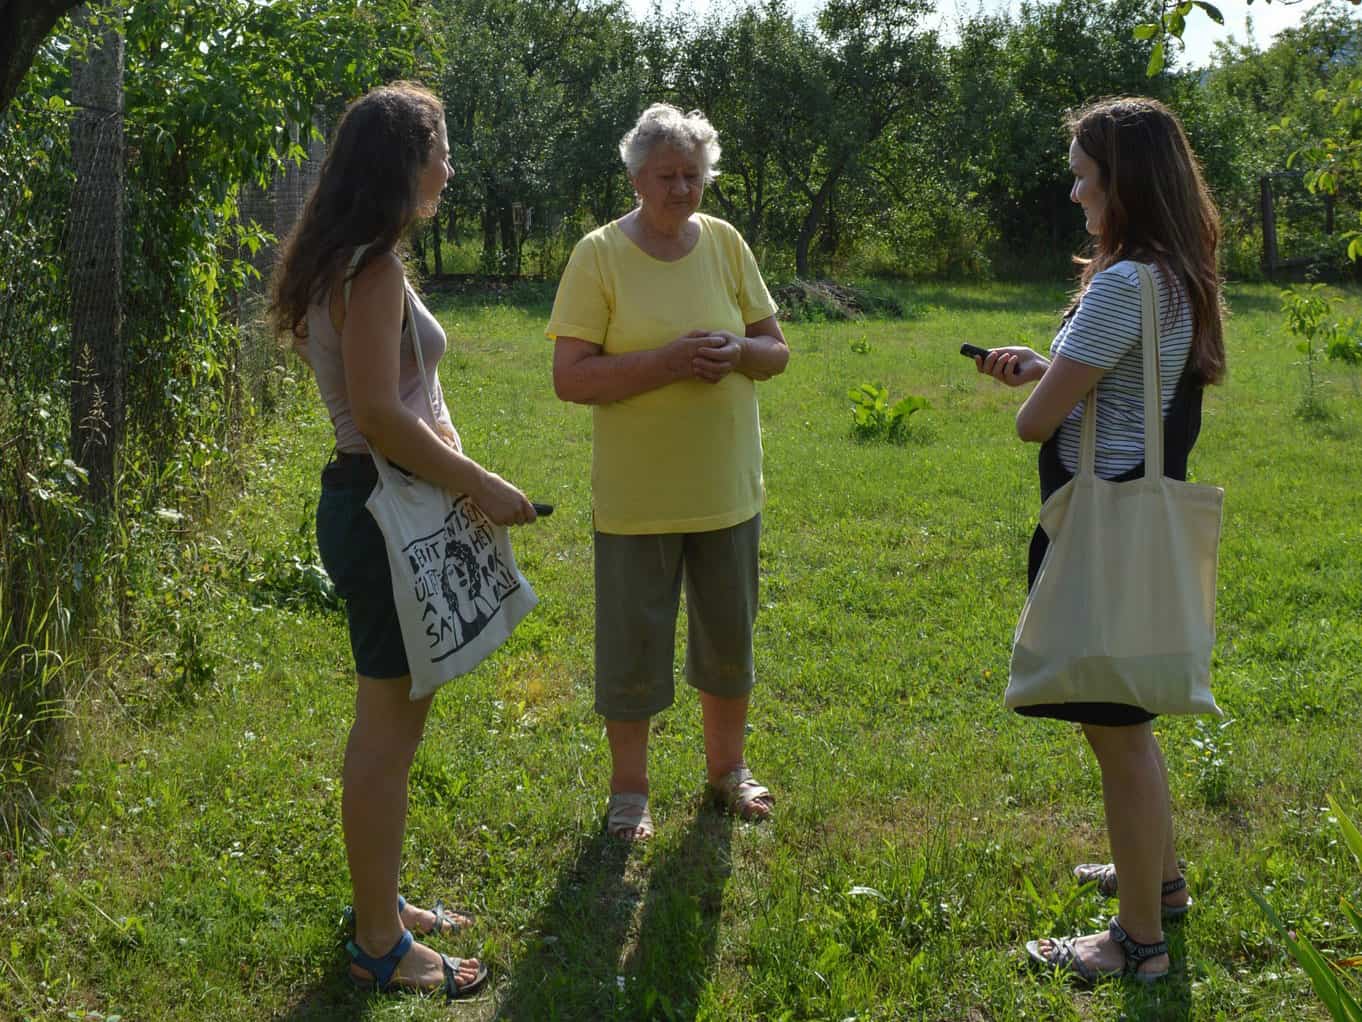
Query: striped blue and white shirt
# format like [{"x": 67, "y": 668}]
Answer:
[{"x": 1105, "y": 332}]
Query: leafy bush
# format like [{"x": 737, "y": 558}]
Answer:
[
  {"x": 1346, "y": 344},
  {"x": 1307, "y": 317},
  {"x": 874, "y": 418}
]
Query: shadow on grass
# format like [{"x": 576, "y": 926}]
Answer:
[
  {"x": 1008, "y": 298},
  {"x": 1244, "y": 301},
  {"x": 678, "y": 936},
  {"x": 332, "y": 999},
  {"x": 569, "y": 970},
  {"x": 1169, "y": 1000},
  {"x": 576, "y": 971}
]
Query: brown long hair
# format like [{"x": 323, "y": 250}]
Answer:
[
  {"x": 367, "y": 193},
  {"x": 1158, "y": 210}
]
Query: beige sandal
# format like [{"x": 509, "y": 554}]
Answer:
[
  {"x": 739, "y": 793},
  {"x": 628, "y": 811}
]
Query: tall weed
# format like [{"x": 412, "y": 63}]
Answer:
[{"x": 1339, "y": 992}]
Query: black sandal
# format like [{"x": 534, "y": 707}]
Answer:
[
  {"x": 1103, "y": 874},
  {"x": 1063, "y": 957}
]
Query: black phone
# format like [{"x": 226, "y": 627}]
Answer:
[
  {"x": 542, "y": 510},
  {"x": 974, "y": 351}
]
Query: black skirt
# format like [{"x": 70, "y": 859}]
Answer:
[{"x": 1180, "y": 430}]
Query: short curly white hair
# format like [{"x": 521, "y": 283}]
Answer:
[{"x": 663, "y": 122}]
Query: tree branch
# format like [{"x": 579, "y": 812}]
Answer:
[{"x": 24, "y": 24}]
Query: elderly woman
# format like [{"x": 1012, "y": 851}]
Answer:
[{"x": 662, "y": 323}]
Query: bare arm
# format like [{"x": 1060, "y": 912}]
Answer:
[
  {"x": 759, "y": 355},
  {"x": 1061, "y": 385},
  {"x": 370, "y": 349},
  {"x": 584, "y": 374},
  {"x": 1061, "y": 388}
]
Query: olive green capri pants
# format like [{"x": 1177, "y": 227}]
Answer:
[{"x": 638, "y": 592}]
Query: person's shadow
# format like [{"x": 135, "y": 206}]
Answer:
[
  {"x": 569, "y": 966},
  {"x": 576, "y": 972},
  {"x": 330, "y": 999},
  {"x": 1171, "y": 999},
  {"x": 678, "y": 936}
]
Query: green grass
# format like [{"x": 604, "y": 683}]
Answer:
[{"x": 189, "y": 863}]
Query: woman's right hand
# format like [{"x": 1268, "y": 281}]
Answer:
[
  {"x": 679, "y": 355},
  {"x": 1013, "y": 365},
  {"x": 503, "y": 503}
]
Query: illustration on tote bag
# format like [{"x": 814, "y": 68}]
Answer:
[{"x": 461, "y": 579}]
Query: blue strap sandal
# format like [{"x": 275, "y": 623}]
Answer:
[
  {"x": 446, "y": 919},
  {"x": 381, "y": 971}
]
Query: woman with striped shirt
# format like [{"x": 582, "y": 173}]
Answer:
[{"x": 1144, "y": 201}]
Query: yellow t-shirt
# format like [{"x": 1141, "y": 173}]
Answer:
[{"x": 685, "y": 457}]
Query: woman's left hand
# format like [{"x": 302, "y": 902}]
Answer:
[{"x": 719, "y": 358}]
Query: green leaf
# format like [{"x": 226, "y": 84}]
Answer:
[
  {"x": 1146, "y": 31},
  {"x": 1354, "y": 916},
  {"x": 1351, "y": 835},
  {"x": 1212, "y": 11},
  {"x": 1327, "y": 986},
  {"x": 1155, "y": 62}
]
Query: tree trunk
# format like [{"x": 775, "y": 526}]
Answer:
[
  {"x": 489, "y": 233},
  {"x": 809, "y": 228},
  {"x": 510, "y": 240},
  {"x": 24, "y": 24},
  {"x": 96, "y": 259}
]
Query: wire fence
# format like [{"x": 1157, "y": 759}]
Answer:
[{"x": 103, "y": 317}]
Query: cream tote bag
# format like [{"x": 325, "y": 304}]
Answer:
[
  {"x": 1123, "y": 608},
  {"x": 455, "y": 582}
]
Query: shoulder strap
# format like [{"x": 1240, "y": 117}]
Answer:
[
  {"x": 350, "y": 270},
  {"x": 1153, "y": 391}
]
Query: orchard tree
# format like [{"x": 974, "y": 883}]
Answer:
[{"x": 531, "y": 88}]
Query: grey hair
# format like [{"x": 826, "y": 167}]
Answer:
[{"x": 665, "y": 123}]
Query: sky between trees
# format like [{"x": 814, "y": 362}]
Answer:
[{"x": 1268, "y": 18}]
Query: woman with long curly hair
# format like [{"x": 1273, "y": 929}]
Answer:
[{"x": 341, "y": 292}]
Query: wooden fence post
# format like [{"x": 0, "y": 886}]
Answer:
[{"x": 1269, "y": 226}]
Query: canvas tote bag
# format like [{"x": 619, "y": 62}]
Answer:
[
  {"x": 455, "y": 582},
  {"x": 1123, "y": 608}
]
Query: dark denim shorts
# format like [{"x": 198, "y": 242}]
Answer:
[{"x": 354, "y": 556}]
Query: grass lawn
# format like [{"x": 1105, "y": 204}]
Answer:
[{"x": 189, "y": 865}]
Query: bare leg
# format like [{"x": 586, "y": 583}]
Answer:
[
  {"x": 378, "y": 757},
  {"x": 725, "y": 736},
  {"x": 1171, "y": 869},
  {"x": 1135, "y": 795},
  {"x": 629, "y": 765},
  {"x": 725, "y": 733}
]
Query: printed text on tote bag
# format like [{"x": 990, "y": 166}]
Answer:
[{"x": 461, "y": 578}]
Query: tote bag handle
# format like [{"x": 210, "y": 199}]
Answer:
[{"x": 1153, "y": 390}]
